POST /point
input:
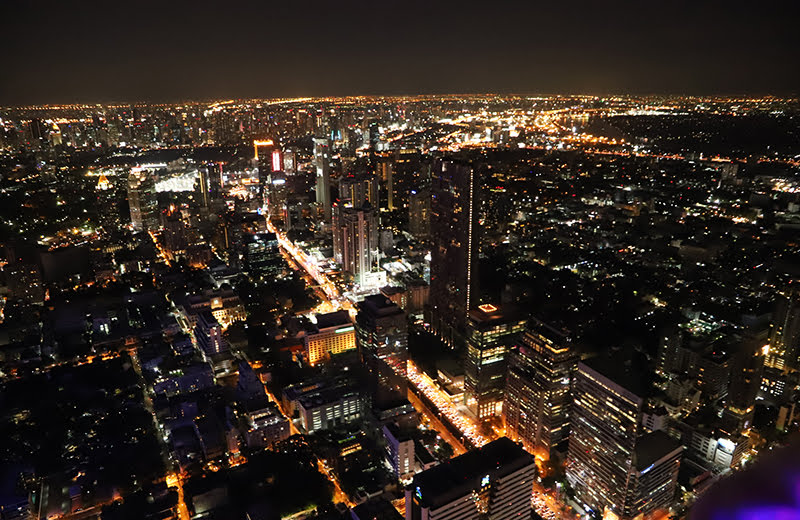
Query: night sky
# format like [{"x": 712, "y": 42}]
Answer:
[{"x": 172, "y": 50}]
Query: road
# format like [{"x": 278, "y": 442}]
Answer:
[
  {"x": 546, "y": 504},
  {"x": 339, "y": 496}
]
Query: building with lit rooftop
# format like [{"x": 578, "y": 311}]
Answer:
[
  {"x": 332, "y": 334},
  {"x": 491, "y": 331}
]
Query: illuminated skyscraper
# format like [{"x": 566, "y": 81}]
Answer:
[
  {"x": 382, "y": 332},
  {"x": 419, "y": 213},
  {"x": 454, "y": 255},
  {"x": 322, "y": 160},
  {"x": 538, "y": 398},
  {"x": 491, "y": 331},
  {"x": 262, "y": 256},
  {"x": 784, "y": 334},
  {"x": 143, "y": 201},
  {"x": 107, "y": 211},
  {"x": 355, "y": 240},
  {"x": 359, "y": 190},
  {"x": 616, "y": 468}
]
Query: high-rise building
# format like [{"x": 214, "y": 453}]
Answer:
[
  {"x": 332, "y": 334},
  {"x": 204, "y": 186},
  {"x": 784, "y": 334},
  {"x": 491, "y": 332},
  {"x": 747, "y": 369},
  {"x": 355, "y": 240},
  {"x": 143, "y": 201},
  {"x": 322, "y": 163},
  {"x": 386, "y": 173},
  {"x": 107, "y": 210},
  {"x": 359, "y": 190},
  {"x": 604, "y": 426},
  {"x": 382, "y": 332},
  {"x": 174, "y": 236},
  {"x": 610, "y": 457},
  {"x": 399, "y": 451},
  {"x": 654, "y": 474},
  {"x": 538, "y": 398},
  {"x": 419, "y": 213},
  {"x": 262, "y": 255},
  {"x": 492, "y": 482},
  {"x": 454, "y": 255}
]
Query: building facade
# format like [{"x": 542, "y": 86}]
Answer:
[
  {"x": 334, "y": 333},
  {"x": 538, "y": 390},
  {"x": 492, "y": 482},
  {"x": 491, "y": 332},
  {"x": 454, "y": 255}
]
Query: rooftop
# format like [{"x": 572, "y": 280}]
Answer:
[
  {"x": 652, "y": 447},
  {"x": 458, "y": 476}
]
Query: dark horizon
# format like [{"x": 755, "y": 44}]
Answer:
[{"x": 58, "y": 53}]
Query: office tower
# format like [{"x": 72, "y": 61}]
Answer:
[
  {"x": 419, "y": 213},
  {"x": 209, "y": 183},
  {"x": 330, "y": 407},
  {"x": 174, "y": 236},
  {"x": 784, "y": 334},
  {"x": 382, "y": 332},
  {"x": 491, "y": 331},
  {"x": 203, "y": 186},
  {"x": 262, "y": 256},
  {"x": 604, "y": 426},
  {"x": 538, "y": 398},
  {"x": 290, "y": 161},
  {"x": 276, "y": 195},
  {"x": 386, "y": 173},
  {"x": 654, "y": 474},
  {"x": 454, "y": 255},
  {"x": 142, "y": 201},
  {"x": 359, "y": 190},
  {"x": 332, "y": 334},
  {"x": 355, "y": 241},
  {"x": 609, "y": 454},
  {"x": 399, "y": 451},
  {"x": 747, "y": 369},
  {"x": 494, "y": 481},
  {"x": 107, "y": 211},
  {"x": 322, "y": 164}
]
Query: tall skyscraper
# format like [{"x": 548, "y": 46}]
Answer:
[
  {"x": 143, "y": 201},
  {"x": 493, "y": 482},
  {"x": 419, "y": 213},
  {"x": 355, "y": 240},
  {"x": 490, "y": 333},
  {"x": 454, "y": 255},
  {"x": 322, "y": 160},
  {"x": 538, "y": 398},
  {"x": 382, "y": 332},
  {"x": 262, "y": 256},
  {"x": 107, "y": 210},
  {"x": 359, "y": 190},
  {"x": 614, "y": 467},
  {"x": 784, "y": 334}
]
